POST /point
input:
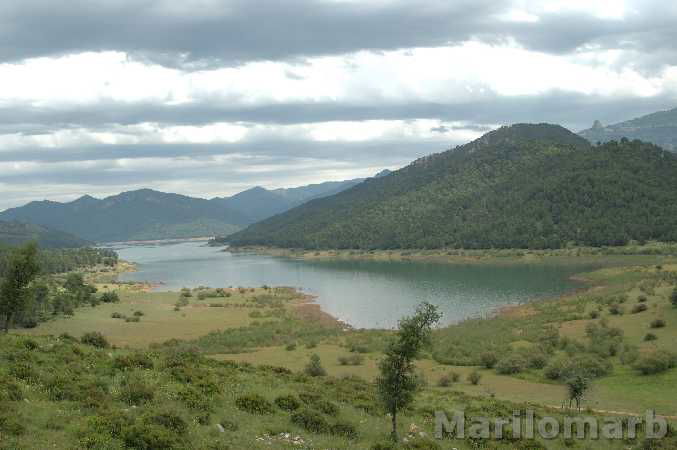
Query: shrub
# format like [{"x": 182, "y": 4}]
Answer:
[
  {"x": 135, "y": 319},
  {"x": 537, "y": 360},
  {"x": 287, "y": 403},
  {"x": 314, "y": 367},
  {"x": 656, "y": 362},
  {"x": 290, "y": 347},
  {"x": 488, "y": 360},
  {"x": 594, "y": 314},
  {"x": 139, "y": 314},
  {"x": 344, "y": 429},
  {"x": 584, "y": 365},
  {"x": 254, "y": 404},
  {"x": 511, "y": 364},
  {"x": 110, "y": 297},
  {"x": 657, "y": 323},
  {"x": 311, "y": 344},
  {"x": 311, "y": 421},
  {"x": 95, "y": 339},
  {"x": 10, "y": 391},
  {"x": 616, "y": 310},
  {"x": 444, "y": 381},
  {"x": 326, "y": 407},
  {"x": 673, "y": 297},
  {"x": 131, "y": 361},
  {"x": 650, "y": 337},
  {"x": 117, "y": 315},
  {"x": 641, "y": 307},
  {"x": 455, "y": 377},
  {"x": 352, "y": 360},
  {"x": 135, "y": 391},
  {"x": 642, "y": 299},
  {"x": 474, "y": 377}
]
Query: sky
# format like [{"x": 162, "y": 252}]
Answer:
[{"x": 211, "y": 97}]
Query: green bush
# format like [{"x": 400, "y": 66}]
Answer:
[
  {"x": 254, "y": 404},
  {"x": 642, "y": 299},
  {"x": 314, "y": 367},
  {"x": 444, "y": 381},
  {"x": 95, "y": 339},
  {"x": 311, "y": 421},
  {"x": 641, "y": 307},
  {"x": 474, "y": 377},
  {"x": 511, "y": 364},
  {"x": 134, "y": 391},
  {"x": 135, "y": 319},
  {"x": 10, "y": 391},
  {"x": 616, "y": 310},
  {"x": 650, "y": 337},
  {"x": 326, "y": 407},
  {"x": 657, "y": 323},
  {"x": 585, "y": 365},
  {"x": 351, "y": 360},
  {"x": 290, "y": 347},
  {"x": 110, "y": 297},
  {"x": 139, "y": 313},
  {"x": 344, "y": 429},
  {"x": 287, "y": 403},
  {"x": 136, "y": 360},
  {"x": 673, "y": 297},
  {"x": 594, "y": 314},
  {"x": 657, "y": 362},
  {"x": 117, "y": 315},
  {"x": 488, "y": 360}
]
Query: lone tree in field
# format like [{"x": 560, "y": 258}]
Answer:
[
  {"x": 21, "y": 270},
  {"x": 577, "y": 386},
  {"x": 397, "y": 382}
]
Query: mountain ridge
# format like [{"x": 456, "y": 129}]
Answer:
[{"x": 523, "y": 186}]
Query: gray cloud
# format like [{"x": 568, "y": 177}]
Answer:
[{"x": 229, "y": 32}]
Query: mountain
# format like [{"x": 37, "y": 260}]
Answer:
[
  {"x": 659, "y": 128},
  {"x": 16, "y": 233},
  {"x": 142, "y": 214},
  {"x": 147, "y": 214},
  {"x": 524, "y": 186}
]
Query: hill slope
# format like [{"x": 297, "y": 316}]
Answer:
[
  {"x": 525, "y": 186},
  {"x": 659, "y": 128},
  {"x": 15, "y": 233}
]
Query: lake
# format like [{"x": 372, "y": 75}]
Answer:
[{"x": 364, "y": 294}]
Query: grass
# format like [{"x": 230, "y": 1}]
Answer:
[{"x": 160, "y": 322}]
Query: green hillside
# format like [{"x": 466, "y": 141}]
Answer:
[
  {"x": 659, "y": 128},
  {"x": 524, "y": 186},
  {"x": 16, "y": 233}
]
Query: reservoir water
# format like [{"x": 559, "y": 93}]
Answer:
[{"x": 364, "y": 294}]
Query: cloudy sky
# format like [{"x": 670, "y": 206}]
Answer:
[{"x": 210, "y": 97}]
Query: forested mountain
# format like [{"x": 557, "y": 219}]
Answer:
[
  {"x": 16, "y": 233},
  {"x": 659, "y": 128},
  {"x": 146, "y": 214},
  {"x": 524, "y": 186}
]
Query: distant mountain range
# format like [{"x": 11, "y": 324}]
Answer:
[
  {"x": 659, "y": 128},
  {"x": 14, "y": 233},
  {"x": 148, "y": 214},
  {"x": 524, "y": 186}
]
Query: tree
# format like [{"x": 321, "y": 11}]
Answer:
[
  {"x": 397, "y": 382},
  {"x": 577, "y": 386},
  {"x": 21, "y": 270},
  {"x": 673, "y": 297},
  {"x": 314, "y": 367}
]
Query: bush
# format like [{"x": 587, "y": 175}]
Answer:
[
  {"x": 673, "y": 297},
  {"x": 110, "y": 297},
  {"x": 594, "y": 314},
  {"x": 10, "y": 391},
  {"x": 656, "y": 362},
  {"x": 117, "y": 315},
  {"x": 290, "y": 347},
  {"x": 488, "y": 360},
  {"x": 287, "y": 403},
  {"x": 650, "y": 337},
  {"x": 444, "y": 381},
  {"x": 326, "y": 407},
  {"x": 584, "y": 365},
  {"x": 510, "y": 365},
  {"x": 135, "y": 319},
  {"x": 311, "y": 421},
  {"x": 138, "y": 314},
  {"x": 642, "y": 299},
  {"x": 314, "y": 367},
  {"x": 132, "y": 361},
  {"x": 95, "y": 339},
  {"x": 344, "y": 429},
  {"x": 135, "y": 391},
  {"x": 657, "y": 323},
  {"x": 474, "y": 377},
  {"x": 254, "y": 404},
  {"x": 616, "y": 310},
  {"x": 352, "y": 360},
  {"x": 641, "y": 307}
]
